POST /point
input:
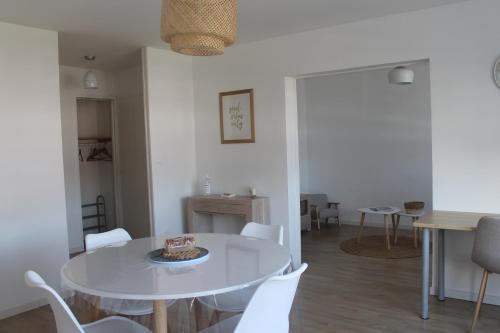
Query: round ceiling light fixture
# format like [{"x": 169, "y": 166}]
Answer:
[
  {"x": 401, "y": 75},
  {"x": 90, "y": 79},
  {"x": 199, "y": 27}
]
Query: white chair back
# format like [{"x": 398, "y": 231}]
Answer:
[
  {"x": 95, "y": 241},
  {"x": 263, "y": 231},
  {"x": 269, "y": 308},
  {"x": 65, "y": 320}
]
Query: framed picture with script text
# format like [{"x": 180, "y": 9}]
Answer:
[{"x": 236, "y": 116}]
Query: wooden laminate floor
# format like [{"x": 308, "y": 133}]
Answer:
[
  {"x": 346, "y": 293},
  {"x": 342, "y": 293}
]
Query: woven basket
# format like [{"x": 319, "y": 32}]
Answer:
[
  {"x": 199, "y": 27},
  {"x": 413, "y": 207},
  {"x": 182, "y": 255}
]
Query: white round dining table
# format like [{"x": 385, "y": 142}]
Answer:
[{"x": 123, "y": 271}]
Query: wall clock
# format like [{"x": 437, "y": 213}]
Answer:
[{"x": 496, "y": 72}]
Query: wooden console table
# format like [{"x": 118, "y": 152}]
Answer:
[{"x": 252, "y": 209}]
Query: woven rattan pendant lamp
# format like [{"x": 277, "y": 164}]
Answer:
[{"x": 199, "y": 27}]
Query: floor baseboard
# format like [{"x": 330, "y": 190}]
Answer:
[
  {"x": 6, "y": 313},
  {"x": 471, "y": 296}
]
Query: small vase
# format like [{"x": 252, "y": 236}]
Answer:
[{"x": 206, "y": 186}]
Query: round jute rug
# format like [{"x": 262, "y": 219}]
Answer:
[{"x": 375, "y": 247}]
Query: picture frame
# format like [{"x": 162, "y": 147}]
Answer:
[{"x": 236, "y": 112}]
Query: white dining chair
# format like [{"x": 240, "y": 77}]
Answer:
[
  {"x": 66, "y": 321},
  {"x": 263, "y": 231},
  {"x": 237, "y": 301},
  {"x": 268, "y": 310},
  {"x": 118, "y": 237}
]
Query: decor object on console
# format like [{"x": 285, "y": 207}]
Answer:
[
  {"x": 199, "y": 27},
  {"x": 250, "y": 208},
  {"x": 207, "y": 185},
  {"x": 252, "y": 191},
  {"x": 237, "y": 117}
]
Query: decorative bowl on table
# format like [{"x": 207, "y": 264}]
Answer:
[
  {"x": 414, "y": 207},
  {"x": 179, "y": 250}
]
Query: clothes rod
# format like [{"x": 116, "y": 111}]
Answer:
[{"x": 95, "y": 140}]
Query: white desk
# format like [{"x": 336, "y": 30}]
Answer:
[
  {"x": 124, "y": 272},
  {"x": 441, "y": 221}
]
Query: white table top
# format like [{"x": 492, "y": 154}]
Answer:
[
  {"x": 124, "y": 272},
  {"x": 393, "y": 210}
]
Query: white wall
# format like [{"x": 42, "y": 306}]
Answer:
[
  {"x": 366, "y": 142},
  {"x": 170, "y": 119},
  {"x": 133, "y": 151},
  {"x": 32, "y": 210},
  {"x": 71, "y": 83},
  {"x": 458, "y": 40}
]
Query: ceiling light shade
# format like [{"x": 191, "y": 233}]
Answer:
[
  {"x": 199, "y": 27},
  {"x": 401, "y": 75},
  {"x": 90, "y": 80}
]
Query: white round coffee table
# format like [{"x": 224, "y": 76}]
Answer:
[
  {"x": 124, "y": 272},
  {"x": 386, "y": 212}
]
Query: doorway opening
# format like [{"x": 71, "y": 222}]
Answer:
[
  {"x": 105, "y": 154},
  {"x": 361, "y": 142},
  {"x": 364, "y": 142}
]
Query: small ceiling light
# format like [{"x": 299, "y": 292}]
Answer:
[
  {"x": 90, "y": 79},
  {"x": 401, "y": 75}
]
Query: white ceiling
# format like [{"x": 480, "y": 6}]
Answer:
[{"x": 114, "y": 30}]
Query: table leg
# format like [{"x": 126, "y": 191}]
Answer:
[
  {"x": 361, "y": 223},
  {"x": 160, "y": 316},
  {"x": 95, "y": 310},
  {"x": 398, "y": 219},
  {"x": 441, "y": 254},
  {"x": 425, "y": 273},
  {"x": 415, "y": 233},
  {"x": 387, "y": 236}
]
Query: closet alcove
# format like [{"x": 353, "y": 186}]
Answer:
[{"x": 95, "y": 153}]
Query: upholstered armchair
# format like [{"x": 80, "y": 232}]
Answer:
[
  {"x": 321, "y": 210},
  {"x": 305, "y": 215}
]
